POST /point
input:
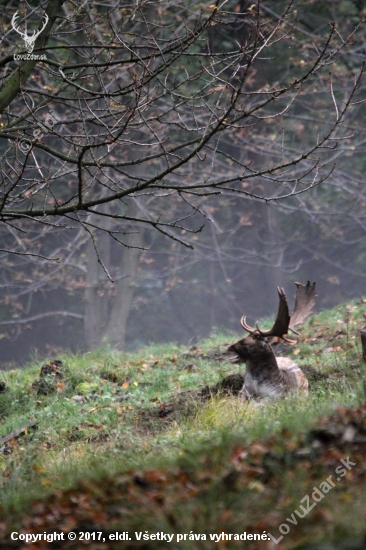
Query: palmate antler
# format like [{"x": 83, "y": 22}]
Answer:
[
  {"x": 304, "y": 303},
  {"x": 29, "y": 40}
]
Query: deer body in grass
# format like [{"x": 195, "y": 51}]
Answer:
[{"x": 268, "y": 376}]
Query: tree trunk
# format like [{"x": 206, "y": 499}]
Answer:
[
  {"x": 96, "y": 299},
  {"x": 126, "y": 286}
]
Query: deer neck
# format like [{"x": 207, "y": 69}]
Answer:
[
  {"x": 263, "y": 378},
  {"x": 263, "y": 361}
]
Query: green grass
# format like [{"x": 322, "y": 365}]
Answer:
[{"x": 161, "y": 426}]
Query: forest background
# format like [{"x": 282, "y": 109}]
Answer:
[{"x": 170, "y": 163}]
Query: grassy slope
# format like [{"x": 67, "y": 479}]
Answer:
[{"x": 162, "y": 460}]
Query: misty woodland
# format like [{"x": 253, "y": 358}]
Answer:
[{"x": 165, "y": 165}]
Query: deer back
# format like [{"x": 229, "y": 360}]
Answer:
[{"x": 295, "y": 379}]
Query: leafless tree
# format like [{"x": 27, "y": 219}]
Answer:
[{"x": 135, "y": 119}]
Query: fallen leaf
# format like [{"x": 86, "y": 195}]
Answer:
[
  {"x": 333, "y": 349},
  {"x": 256, "y": 486}
]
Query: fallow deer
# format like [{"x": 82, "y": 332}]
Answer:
[{"x": 268, "y": 376}]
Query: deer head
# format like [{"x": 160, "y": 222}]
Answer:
[
  {"x": 265, "y": 375},
  {"x": 29, "y": 40}
]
